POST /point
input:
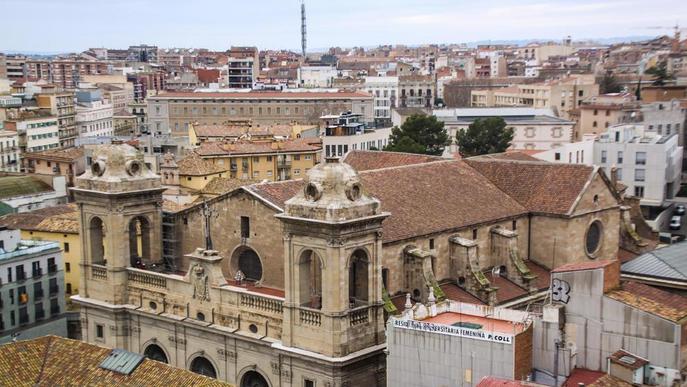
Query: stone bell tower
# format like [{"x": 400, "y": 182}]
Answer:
[
  {"x": 333, "y": 242},
  {"x": 119, "y": 201}
]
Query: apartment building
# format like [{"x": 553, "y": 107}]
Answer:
[
  {"x": 3, "y": 66},
  {"x": 36, "y": 131},
  {"x": 65, "y": 73},
  {"x": 61, "y": 105},
  {"x": 384, "y": 90},
  {"x": 243, "y": 66},
  {"x": 32, "y": 296},
  {"x": 316, "y": 76},
  {"x": 93, "y": 114},
  {"x": 533, "y": 129},
  {"x": 561, "y": 95},
  {"x": 68, "y": 162},
  {"x": 142, "y": 53},
  {"x": 416, "y": 91},
  {"x": 343, "y": 132},
  {"x": 260, "y": 160},
  {"x": 598, "y": 113},
  {"x": 648, "y": 163},
  {"x": 9, "y": 151},
  {"x": 173, "y": 112}
]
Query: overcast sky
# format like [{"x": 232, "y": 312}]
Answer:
[{"x": 75, "y": 25}]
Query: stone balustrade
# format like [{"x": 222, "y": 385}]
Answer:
[
  {"x": 359, "y": 316},
  {"x": 264, "y": 304},
  {"x": 145, "y": 278},
  {"x": 98, "y": 272},
  {"x": 310, "y": 317}
]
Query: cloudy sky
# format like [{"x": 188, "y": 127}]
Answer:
[{"x": 74, "y": 25}]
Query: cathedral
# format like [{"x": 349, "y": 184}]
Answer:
[{"x": 290, "y": 283}]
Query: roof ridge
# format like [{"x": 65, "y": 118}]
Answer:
[
  {"x": 48, "y": 345},
  {"x": 409, "y": 166}
]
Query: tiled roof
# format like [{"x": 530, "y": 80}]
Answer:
[
  {"x": 538, "y": 186},
  {"x": 193, "y": 165},
  {"x": 68, "y": 154},
  {"x": 667, "y": 305},
  {"x": 519, "y": 155},
  {"x": 588, "y": 265},
  {"x": 507, "y": 289},
  {"x": 366, "y": 160},
  {"x": 456, "y": 293},
  {"x": 263, "y": 95},
  {"x": 255, "y": 147},
  {"x": 582, "y": 375},
  {"x": 63, "y": 218},
  {"x": 543, "y": 280},
  {"x": 633, "y": 361},
  {"x": 492, "y": 381},
  {"x": 609, "y": 381},
  {"x": 14, "y": 186},
  {"x": 56, "y": 361},
  {"x": 237, "y": 130},
  {"x": 459, "y": 195}
]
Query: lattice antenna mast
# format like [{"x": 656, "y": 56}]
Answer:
[{"x": 303, "y": 29}]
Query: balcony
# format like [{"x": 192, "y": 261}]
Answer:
[
  {"x": 310, "y": 317},
  {"x": 98, "y": 272},
  {"x": 38, "y": 294},
  {"x": 283, "y": 164},
  {"x": 52, "y": 269},
  {"x": 54, "y": 289},
  {"x": 21, "y": 276},
  {"x": 37, "y": 272}
]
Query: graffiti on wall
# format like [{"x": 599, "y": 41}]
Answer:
[{"x": 560, "y": 291}]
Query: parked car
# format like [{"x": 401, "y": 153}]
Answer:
[
  {"x": 675, "y": 223},
  {"x": 679, "y": 210}
]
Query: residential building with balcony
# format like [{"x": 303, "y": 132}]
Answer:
[
  {"x": 9, "y": 151},
  {"x": 598, "y": 113},
  {"x": 23, "y": 193},
  {"x": 62, "y": 106},
  {"x": 243, "y": 65},
  {"x": 32, "y": 299},
  {"x": 648, "y": 163},
  {"x": 68, "y": 162},
  {"x": 36, "y": 130},
  {"x": 94, "y": 114},
  {"x": 666, "y": 118},
  {"x": 416, "y": 91},
  {"x": 341, "y": 133},
  {"x": 384, "y": 90},
  {"x": 172, "y": 113}
]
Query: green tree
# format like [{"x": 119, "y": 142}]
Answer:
[
  {"x": 484, "y": 136},
  {"x": 419, "y": 133},
  {"x": 609, "y": 84},
  {"x": 660, "y": 73}
]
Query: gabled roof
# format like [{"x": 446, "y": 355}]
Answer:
[
  {"x": 362, "y": 160},
  {"x": 64, "y": 155},
  {"x": 193, "y": 165},
  {"x": 670, "y": 306},
  {"x": 56, "y": 361},
  {"x": 668, "y": 262},
  {"x": 459, "y": 197},
  {"x": 63, "y": 218},
  {"x": 541, "y": 187},
  {"x": 208, "y": 149}
]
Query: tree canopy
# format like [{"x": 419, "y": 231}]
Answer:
[
  {"x": 660, "y": 73},
  {"x": 484, "y": 136},
  {"x": 419, "y": 133},
  {"x": 609, "y": 84}
]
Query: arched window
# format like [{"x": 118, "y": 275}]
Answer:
[
  {"x": 310, "y": 280},
  {"x": 248, "y": 261},
  {"x": 358, "y": 278},
  {"x": 202, "y": 366},
  {"x": 97, "y": 232},
  {"x": 253, "y": 379},
  {"x": 155, "y": 352},
  {"x": 139, "y": 241}
]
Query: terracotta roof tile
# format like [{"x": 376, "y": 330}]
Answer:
[
  {"x": 492, "y": 381},
  {"x": 460, "y": 197},
  {"x": 637, "y": 362},
  {"x": 207, "y": 149},
  {"x": 588, "y": 265},
  {"x": 539, "y": 186},
  {"x": 456, "y": 293},
  {"x": 263, "y": 95},
  {"x": 667, "y": 305},
  {"x": 609, "y": 381},
  {"x": 507, "y": 290},
  {"x": 193, "y": 165},
  {"x": 366, "y": 160},
  {"x": 62, "y": 219},
  {"x": 221, "y": 185},
  {"x": 69, "y": 154},
  {"x": 582, "y": 375},
  {"x": 56, "y": 361},
  {"x": 543, "y": 274}
]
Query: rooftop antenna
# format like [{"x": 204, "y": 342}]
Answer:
[{"x": 303, "y": 29}]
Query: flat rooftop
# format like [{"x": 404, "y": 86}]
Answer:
[{"x": 488, "y": 324}]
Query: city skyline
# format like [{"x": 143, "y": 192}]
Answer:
[{"x": 277, "y": 24}]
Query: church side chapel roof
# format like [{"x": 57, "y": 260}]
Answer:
[
  {"x": 459, "y": 196},
  {"x": 14, "y": 186},
  {"x": 538, "y": 186},
  {"x": 57, "y": 361},
  {"x": 670, "y": 306}
]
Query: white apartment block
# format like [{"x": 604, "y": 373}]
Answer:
[
  {"x": 94, "y": 119},
  {"x": 37, "y": 133},
  {"x": 665, "y": 117},
  {"x": 9, "y": 151},
  {"x": 370, "y": 139},
  {"x": 316, "y": 76},
  {"x": 384, "y": 90},
  {"x": 534, "y": 129},
  {"x": 647, "y": 163}
]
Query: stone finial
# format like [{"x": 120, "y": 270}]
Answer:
[
  {"x": 408, "y": 305},
  {"x": 431, "y": 299}
]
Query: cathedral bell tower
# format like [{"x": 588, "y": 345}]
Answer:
[
  {"x": 119, "y": 201},
  {"x": 333, "y": 250}
]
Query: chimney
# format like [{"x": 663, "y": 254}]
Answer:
[{"x": 614, "y": 176}]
